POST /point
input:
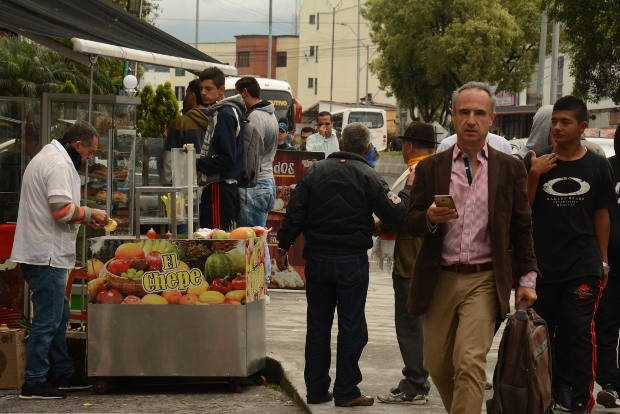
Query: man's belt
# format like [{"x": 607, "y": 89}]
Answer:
[{"x": 465, "y": 268}]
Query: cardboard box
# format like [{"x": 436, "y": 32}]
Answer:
[{"x": 12, "y": 358}]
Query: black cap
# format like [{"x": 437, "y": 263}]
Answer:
[{"x": 419, "y": 131}]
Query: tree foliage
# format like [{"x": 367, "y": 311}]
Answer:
[
  {"x": 28, "y": 69},
  {"x": 430, "y": 47},
  {"x": 150, "y": 8},
  {"x": 592, "y": 39},
  {"x": 157, "y": 110}
]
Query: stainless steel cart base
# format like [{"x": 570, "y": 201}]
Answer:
[{"x": 176, "y": 340}]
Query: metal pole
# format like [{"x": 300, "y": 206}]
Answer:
[
  {"x": 331, "y": 83},
  {"x": 367, "y": 64},
  {"x": 269, "y": 44},
  {"x": 542, "y": 54},
  {"x": 357, "y": 49},
  {"x": 197, "y": 20},
  {"x": 555, "y": 50}
]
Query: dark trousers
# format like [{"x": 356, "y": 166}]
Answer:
[
  {"x": 410, "y": 340},
  {"x": 569, "y": 309},
  {"x": 219, "y": 206},
  {"x": 335, "y": 283},
  {"x": 607, "y": 325}
]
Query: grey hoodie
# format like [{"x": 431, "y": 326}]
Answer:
[
  {"x": 262, "y": 117},
  {"x": 538, "y": 140}
]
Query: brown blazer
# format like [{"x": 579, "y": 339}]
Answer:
[{"x": 510, "y": 222}]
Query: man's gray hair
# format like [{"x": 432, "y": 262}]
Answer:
[
  {"x": 355, "y": 138},
  {"x": 474, "y": 85}
]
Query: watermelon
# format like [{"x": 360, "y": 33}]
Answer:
[{"x": 217, "y": 265}]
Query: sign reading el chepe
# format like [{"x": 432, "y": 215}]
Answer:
[{"x": 180, "y": 272}]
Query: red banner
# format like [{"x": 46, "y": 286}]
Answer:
[{"x": 288, "y": 169}]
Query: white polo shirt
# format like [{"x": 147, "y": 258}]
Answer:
[
  {"x": 39, "y": 239},
  {"x": 318, "y": 143}
]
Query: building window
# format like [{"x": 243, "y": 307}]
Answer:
[
  {"x": 316, "y": 53},
  {"x": 560, "y": 77},
  {"x": 311, "y": 51},
  {"x": 281, "y": 59},
  {"x": 310, "y": 83},
  {"x": 243, "y": 59},
  {"x": 179, "y": 91},
  {"x": 179, "y": 72},
  {"x": 312, "y": 19},
  {"x": 316, "y": 86}
]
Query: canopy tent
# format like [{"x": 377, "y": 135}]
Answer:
[{"x": 94, "y": 20}]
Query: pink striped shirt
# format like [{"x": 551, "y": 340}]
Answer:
[{"x": 468, "y": 239}]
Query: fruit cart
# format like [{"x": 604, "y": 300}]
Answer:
[
  {"x": 176, "y": 308},
  {"x": 186, "y": 308}
]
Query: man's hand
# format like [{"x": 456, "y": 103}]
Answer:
[
  {"x": 98, "y": 218},
  {"x": 525, "y": 297},
  {"x": 605, "y": 275},
  {"x": 282, "y": 260},
  {"x": 543, "y": 164},
  {"x": 438, "y": 215}
]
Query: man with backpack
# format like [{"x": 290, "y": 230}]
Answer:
[
  {"x": 256, "y": 202},
  {"x": 570, "y": 190},
  {"x": 220, "y": 163}
]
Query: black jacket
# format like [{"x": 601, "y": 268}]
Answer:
[{"x": 333, "y": 206}]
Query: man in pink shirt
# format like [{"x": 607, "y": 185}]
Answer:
[{"x": 464, "y": 272}]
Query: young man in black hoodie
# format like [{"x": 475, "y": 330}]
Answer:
[
  {"x": 219, "y": 163},
  {"x": 608, "y": 318}
]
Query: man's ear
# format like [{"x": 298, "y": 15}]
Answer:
[{"x": 366, "y": 151}]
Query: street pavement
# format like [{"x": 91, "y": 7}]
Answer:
[{"x": 381, "y": 362}]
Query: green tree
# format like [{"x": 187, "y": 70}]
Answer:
[
  {"x": 157, "y": 110},
  {"x": 150, "y": 8},
  {"x": 592, "y": 39},
  {"x": 28, "y": 69},
  {"x": 430, "y": 47}
]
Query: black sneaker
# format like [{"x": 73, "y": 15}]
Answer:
[
  {"x": 41, "y": 391},
  {"x": 563, "y": 399},
  {"x": 608, "y": 397},
  {"x": 579, "y": 408},
  {"x": 73, "y": 383}
]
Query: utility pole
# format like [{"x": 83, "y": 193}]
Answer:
[
  {"x": 331, "y": 83},
  {"x": 542, "y": 54},
  {"x": 270, "y": 40},
  {"x": 367, "y": 64},
  {"x": 197, "y": 20},
  {"x": 357, "y": 48},
  {"x": 555, "y": 50}
]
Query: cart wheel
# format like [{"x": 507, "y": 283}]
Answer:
[
  {"x": 235, "y": 385},
  {"x": 101, "y": 387}
]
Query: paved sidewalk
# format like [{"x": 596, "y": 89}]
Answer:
[{"x": 381, "y": 362}]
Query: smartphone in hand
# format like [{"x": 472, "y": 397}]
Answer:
[{"x": 445, "y": 200}]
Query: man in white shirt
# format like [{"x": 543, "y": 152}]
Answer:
[
  {"x": 45, "y": 238},
  {"x": 497, "y": 142},
  {"x": 325, "y": 140}
]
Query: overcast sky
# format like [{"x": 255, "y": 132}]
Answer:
[{"x": 221, "y": 20}]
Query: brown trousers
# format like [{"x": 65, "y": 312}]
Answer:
[{"x": 458, "y": 332}]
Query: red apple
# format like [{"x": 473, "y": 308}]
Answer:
[
  {"x": 153, "y": 261},
  {"x": 109, "y": 296}
]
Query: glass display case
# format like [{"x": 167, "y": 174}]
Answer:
[
  {"x": 108, "y": 180},
  {"x": 20, "y": 140}
]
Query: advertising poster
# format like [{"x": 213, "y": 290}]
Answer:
[
  {"x": 128, "y": 271},
  {"x": 288, "y": 169}
]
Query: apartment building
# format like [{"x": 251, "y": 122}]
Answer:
[{"x": 317, "y": 20}]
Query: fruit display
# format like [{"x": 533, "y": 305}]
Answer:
[{"x": 157, "y": 271}]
